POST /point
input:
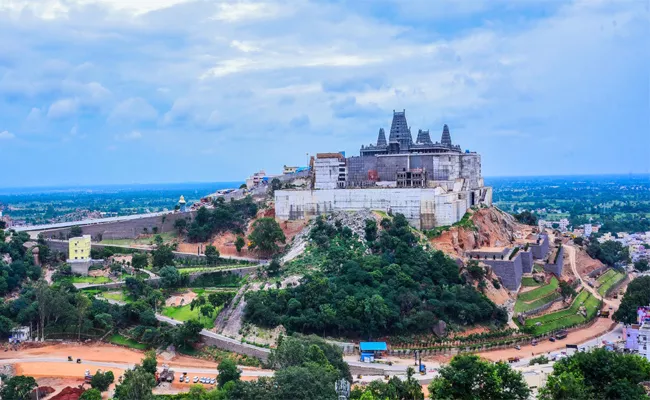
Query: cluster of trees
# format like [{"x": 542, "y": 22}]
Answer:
[
  {"x": 225, "y": 216},
  {"x": 526, "y": 217},
  {"x": 597, "y": 375},
  {"x": 609, "y": 252},
  {"x": 637, "y": 295},
  {"x": 641, "y": 265},
  {"x": 22, "y": 262},
  {"x": 398, "y": 288}
]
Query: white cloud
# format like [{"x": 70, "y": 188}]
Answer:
[
  {"x": 62, "y": 108},
  {"x": 6, "y": 135},
  {"x": 243, "y": 10},
  {"x": 132, "y": 110},
  {"x": 133, "y": 135},
  {"x": 246, "y": 47}
]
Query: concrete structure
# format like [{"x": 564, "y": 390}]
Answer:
[
  {"x": 256, "y": 179},
  {"x": 510, "y": 264},
  {"x": 79, "y": 248},
  {"x": 555, "y": 263},
  {"x": 588, "y": 230},
  {"x": 433, "y": 184},
  {"x": 182, "y": 204}
]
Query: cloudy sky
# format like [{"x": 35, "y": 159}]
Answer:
[{"x": 122, "y": 91}]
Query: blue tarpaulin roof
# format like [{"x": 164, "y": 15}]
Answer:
[{"x": 372, "y": 346}]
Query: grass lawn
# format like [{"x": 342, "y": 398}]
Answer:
[
  {"x": 615, "y": 278},
  {"x": 124, "y": 341},
  {"x": 568, "y": 317},
  {"x": 529, "y": 281},
  {"x": 117, "y": 296},
  {"x": 184, "y": 313},
  {"x": 539, "y": 292},
  {"x": 606, "y": 276},
  {"x": 521, "y": 306},
  {"x": 208, "y": 269},
  {"x": 90, "y": 279},
  {"x": 148, "y": 240}
]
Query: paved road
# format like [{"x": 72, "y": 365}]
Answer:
[{"x": 88, "y": 222}]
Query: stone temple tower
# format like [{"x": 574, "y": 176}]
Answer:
[
  {"x": 381, "y": 139},
  {"x": 399, "y": 130},
  {"x": 446, "y": 137}
]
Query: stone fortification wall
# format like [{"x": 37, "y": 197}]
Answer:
[
  {"x": 124, "y": 229},
  {"x": 509, "y": 271},
  {"x": 540, "y": 249},
  {"x": 526, "y": 261},
  {"x": 556, "y": 265},
  {"x": 236, "y": 347},
  {"x": 424, "y": 208}
]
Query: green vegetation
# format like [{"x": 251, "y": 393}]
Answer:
[
  {"x": 529, "y": 281},
  {"x": 144, "y": 240},
  {"x": 398, "y": 288},
  {"x": 266, "y": 235},
  {"x": 469, "y": 377},
  {"x": 521, "y": 306},
  {"x": 597, "y": 375},
  {"x": 124, "y": 341},
  {"x": 539, "y": 292},
  {"x": 189, "y": 270},
  {"x": 186, "y": 313},
  {"x": 607, "y": 282},
  {"x": 565, "y": 318},
  {"x": 526, "y": 217},
  {"x": 609, "y": 252},
  {"x": 637, "y": 295},
  {"x": 225, "y": 216}
]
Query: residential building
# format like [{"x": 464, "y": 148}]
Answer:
[{"x": 79, "y": 248}]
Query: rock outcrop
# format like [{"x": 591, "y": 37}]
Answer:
[{"x": 492, "y": 228}]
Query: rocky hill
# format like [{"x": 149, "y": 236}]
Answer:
[{"x": 488, "y": 227}]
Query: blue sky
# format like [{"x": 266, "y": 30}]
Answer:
[{"x": 122, "y": 91}]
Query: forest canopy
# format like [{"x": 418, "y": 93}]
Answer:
[{"x": 397, "y": 286}]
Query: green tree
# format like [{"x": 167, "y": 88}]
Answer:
[
  {"x": 371, "y": 230},
  {"x": 163, "y": 255},
  {"x": 212, "y": 254},
  {"x": 228, "y": 372},
  {"x": 82, "y": 303},
  {"x": 526, "y": 217},
  {"x": 467, "y": 377},
  {"x": 76, "y": 231},
  {"x": 207, "y": 310},
  {"x": 149, "y": 362},
  {"x": 239, "y": 243},
  {"x": 140, "y": 260},
  {"x": 566, "y": 290},
  {"x": 102, "y": 380},
  {"x": 181, "y": 226},
  {"x": 170, "y": 276},
  {"x": 266, "y": 235},
  {"x": 609, "y": 252},
  {"x": 636, "y": 295},
  {"x": 275, "y": 185},
  {"x": 578, "y": 240},
  {"x": 136, "y": 385},
  {"x": 273, "y": 268},
  {"x": 158, "y": 240},
  {"x": 605, "y": 375},
  {"x": 18, "y": 388},
  {"x": 564, "y": 386},
  {"x": 641, "y": 265},
  {"x": 91, "y": 394}
]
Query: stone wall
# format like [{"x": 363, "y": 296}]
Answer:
[
  {"x": 127, "y": 229},
  {"x": 540, "y": 249},
  {"x": 423, "y": 208},
  {"x": 526, "y": 261},
  {"x": 235, "y": 346},
  {"x": 509, "y": 271},
  {"x": 555, "y": 266}
]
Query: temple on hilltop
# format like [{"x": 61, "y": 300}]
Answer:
[
  {"x": 400, "y": 140},
  {"x": 431, "y": 183}
]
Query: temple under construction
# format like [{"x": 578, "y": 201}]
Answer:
[{"x": 432, "y": 184}]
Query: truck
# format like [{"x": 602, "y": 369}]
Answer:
[
  {"x": 604, "y": 313},
  {"x": 513, "y": 359},
  {"x": 166, "y": 375}
]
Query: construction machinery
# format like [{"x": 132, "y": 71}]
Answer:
[{"x": 166, "y": 375}]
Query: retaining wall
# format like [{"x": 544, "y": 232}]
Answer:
[
  {"x": 510, "y": 271},
  {"x": 617, "y": 286},
  {"x": 526, "y": 261},
  {"x": 128, "y": 229},
  {"x": 240, "y": 348},
  {"x": 540, "y": 249},
  {"x": 541, "y": 308},
  {"x": 597, "y": 271},
  {"x": 558, "y": 264}
]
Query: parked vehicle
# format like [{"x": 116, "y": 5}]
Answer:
[{"x": 552, "y": 339}]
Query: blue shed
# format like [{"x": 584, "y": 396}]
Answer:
[{"x": 371, "y": 350}]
